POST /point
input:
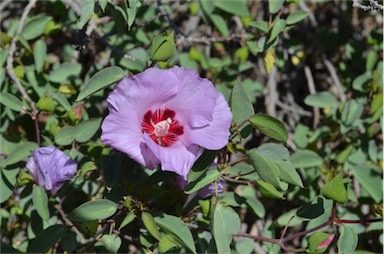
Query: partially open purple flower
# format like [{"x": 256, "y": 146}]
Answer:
[
  {"x": 166, "y": 116},
  {"x": 50, "y": 167}
]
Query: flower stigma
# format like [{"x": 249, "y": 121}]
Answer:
[{"x": 162, "y": 127}]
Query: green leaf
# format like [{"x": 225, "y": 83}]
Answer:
[
  {"x": 317, "y": 240},
  {"x": 128, "y": 219},
  {"x": 235, "y": 7},
  {"x": 289, "y": 174},
  {"x": 3, "y": 56},
  {"x": 85, "y": 130},
  {"x": 150, "y": 224},
  {"x": 321, "y": 100},
  {"x": 69, "y": 241},
  {"x": 24, "y": 42},
  {"x": 347, "y": 241},
  {"x": 132, "y": 12},
  {"x": 264, "y": 159},
  {"x": 301, "y": 136},
  {"x": 225, "y": 222},
  {"x": 87, "y": 10},
  {"x": 269, "y": 126},
  {"x": 296, "y": 16},
  {"x": 209, "y": 176},
  {"x": 305, "y": 159},
  {"x": 111, "y": 242},
  {"x": 361, "y": 83},
  {"x": 261, "y": 25},
  {"x": 275, "y": 5},
  {"x": 371, "y": 60},
  {"x": 163, "y": 47},
  {"x": 268, "y": 190},
  {"x": 65, "y": 135},
  {"x": 335, "y": 189},
  {"x": 249, "y": 193},
  {"x": 35, "y": 27},
  {"x": 11, "y": 101},
  {"x": 352, "y": 112},
  {"x": 167, "y": 243},
  {"x": 103, "y": 4},
  {"x": 46, "y": 104},
  {"x": 20, "y": 152},
  {"x": 47, "y": 238},
  {"x": 370, "y": 180},
  {"x": 39, "y": 54},
  {"x": 277, "y": 27},
  {"x": 7, "y": 183},
  {"x": 201, "y": 165},
  {"x": 220, "y": 24},
  {"x": 241, "y": 106},
  {"x": 65, "y": 71},
  {"x": 93, "y": 210},
  {"x": 100, "y": 80},
  {"x": 175, "y": 226},
  {"x": 40, "y": 202}
]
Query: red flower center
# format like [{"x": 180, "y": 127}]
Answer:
[{"x": 161, "y": 126}]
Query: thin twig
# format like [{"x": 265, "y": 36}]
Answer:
[
  {"x": 12, "y": 50},
  {"x": 272, "y": 95},
  {"x": 335, "y": 78},
  {"x": 4, "y": 4},
  {"x": 11, "y": 73},
  {"x": 312, "y": 90}
]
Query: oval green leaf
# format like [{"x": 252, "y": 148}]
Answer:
[
  {"x": 39, "y": 54},
  {"x": 40, "y": 202},
  {"x": 65, "y": 135},
  {"x": 111, "y": 242},
  {"x": 65, "y": 71},
  {"x": 268, "y": 190},
  {"x": 20, "y": 152},
  {"x": 93, "y": 210},
  {"x": 225, "y": 222},
  {"x": 220, "y": 24},
  {"x": 47, "y": 238},
  {"x": 296, "y": 16},
  {"x": 321, "y": 100},
  {"x": 35, "y": 27},
  {"x": 208, "y": 177},
  {"x": 305, "y": 159},
  {"x": 347, "y": 241},
  {"x": 100, "y": 80},
  {"x": 11, "y": 101},
  {"x": 175, "y": 226},
  {"x": 150, "y": 224},
  {"x": 277, "y": 27},
  {"x": 85, "y": 130},
  {"x": 270, "y": 127}
]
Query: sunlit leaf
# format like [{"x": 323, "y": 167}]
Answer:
[
  {"x": 93, "y": 210},
  {"x": 100, "y": 80},
  {"x": 225, "y": 222}
]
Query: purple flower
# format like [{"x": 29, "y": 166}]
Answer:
[
  {"x": 50, "y": 167},
  {"x": 166, "y": 116}
]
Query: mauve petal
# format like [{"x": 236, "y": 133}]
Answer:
[
  {"x": 33, "y": 168},
  {"x": 215, "y": 135},
  {"x": 143, "y": 91},
  {"x": 122, "y": 131},
  {"x": 50, "y": 168},
  {"x": 175, "y": 158},
  {"x": 196, "y": 99}
]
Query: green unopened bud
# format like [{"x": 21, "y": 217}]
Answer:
[
  {"x": 163, "y": 47},
  {"x": 46, "y": 104},
  {"x": 24, "y": 178},
  {"x": 75, "y": 114},
  {"x": 89, "y": 171}
]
